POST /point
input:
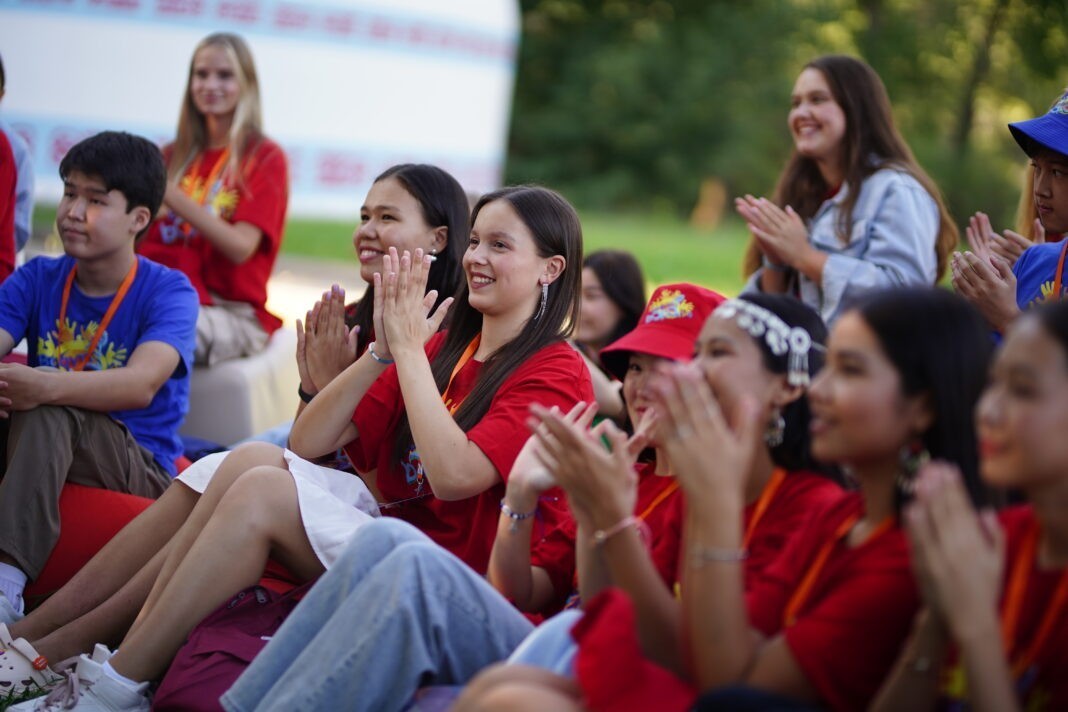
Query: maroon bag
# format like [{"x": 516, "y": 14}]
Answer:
[{"x": 220, "y": 648}]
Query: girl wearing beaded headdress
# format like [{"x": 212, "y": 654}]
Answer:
[
  {"x": 739, "y": 350},
  {"x": 824, "y": 626}
]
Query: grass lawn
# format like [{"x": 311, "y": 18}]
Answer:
[{"x": 668, "y": 249}]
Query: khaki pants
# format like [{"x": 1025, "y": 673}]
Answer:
[
  {"x": 227, "y": 330},
  {"x": 49, "y": 446}
]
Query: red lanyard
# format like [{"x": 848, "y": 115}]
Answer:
[
  {"x": 464, "y": 358},
  {"x": 762, "y": 504},
  {"x": 65, "y": 336},
  {"x": 805, "y": 589},
  {"x": 1014, "y": 599}
]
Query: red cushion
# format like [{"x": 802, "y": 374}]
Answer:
[{"x": 90, "y": 516}]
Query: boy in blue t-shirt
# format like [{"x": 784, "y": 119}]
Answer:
[
  {"x": 112, "y": 334},
  {"x": 998, "y": 291}
]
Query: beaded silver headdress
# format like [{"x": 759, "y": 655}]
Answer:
[{"x": 779, "y": 337}]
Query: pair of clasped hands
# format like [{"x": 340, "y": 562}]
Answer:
[
  {"x": 404, "y": 318},
  {"x": 983, "y": 275},
  {"x": 595, "y": 465}
]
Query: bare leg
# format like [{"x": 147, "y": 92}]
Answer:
[
  {"x": 258, "y": 516},
  {"x": 113, "y": 566},
  {"x": 99, "y": 603},
  {"x": 236, "y": 464}
]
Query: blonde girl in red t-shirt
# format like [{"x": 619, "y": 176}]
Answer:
[
  {"x": 995, "y": 588},
  {"x": 226, "y": 200}
]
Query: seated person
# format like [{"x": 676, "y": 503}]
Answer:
[
  {"x": 1001, "y": 291},
  {"x": 85, "y": 315},
  {"x": 23, "y": 177}
]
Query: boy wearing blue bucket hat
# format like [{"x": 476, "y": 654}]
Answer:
[{"x": 1038, "y": 275}]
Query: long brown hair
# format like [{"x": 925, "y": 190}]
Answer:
[
  {"x": 555, "y": 226},
  {"x": 247, "y": 128},
  {"x": 871, "y": 142}
]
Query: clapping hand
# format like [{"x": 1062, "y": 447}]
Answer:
[
  {"x": 957, "y": 554},
  {"x": 404, "y": 313},
  {"x": 708, "y": 456},
  {"x": 780, "y": 234},
  {"x": 325, "y": 345},
  {"x": 988, "y": 283}
]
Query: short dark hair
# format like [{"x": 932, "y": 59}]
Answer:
[
  {"x": 941, "y": 348},
  {"x": 129, "y": 164}
]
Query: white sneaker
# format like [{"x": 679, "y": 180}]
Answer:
[
  {"x": 21, "y": 667},
  {"x": 11, "y": 612},
  {"x": 89, "y": 689}
]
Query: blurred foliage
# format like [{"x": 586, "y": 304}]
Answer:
[{"x": 624, "y": 104}]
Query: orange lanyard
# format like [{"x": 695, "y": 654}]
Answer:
[
  {"x": 464, "y": 358},
  {"x": 762, "y": 504},
  {"x": 803, "y": 590},
  {"x": 1014, "y": 598},
  {"x": 200, "y": 196},
  {"x": 664, "y": 494},
  {"x": 1060, "y": 272},
  {"x": 64, "y": 334}
]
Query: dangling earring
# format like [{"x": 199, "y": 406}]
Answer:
[
  {"x": 912, "y": 457},
  {"x": 776, "y": 429},
  {"x": 544, "y": 300}
]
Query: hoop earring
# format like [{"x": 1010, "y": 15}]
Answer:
[
  {"x": 544, "y": 300},
  {"x": 776, "y": 429}
]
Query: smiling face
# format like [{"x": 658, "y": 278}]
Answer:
[
  {"x": 392, "y": 217},
  {"x": 860, "y": 417},
  {"x": 598, "y": 314},
  {"x": 733, "y": 366},
  {"x": 1023, "y": 414},
  {"x": 503, "y": 268},
  {"x": 214, "y": 83},
  {"x": 817, "y": 123},
  {"x": 93, "y": 222},
  {"x": 1051, "y": 189}
]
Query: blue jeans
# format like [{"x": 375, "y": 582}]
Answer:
[{"x": 395, "y": 612}]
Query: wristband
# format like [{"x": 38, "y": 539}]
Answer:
[
  {"x": 376, "y": 357},
  {"x": 701, "y": 555},
  {"x": 600, "y": 536},
  {"x": 304, "y": 395},
  {"x": 515, "y": 516},
  {"x": 775, "y": 266}
]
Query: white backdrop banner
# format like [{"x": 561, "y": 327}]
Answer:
[{"x": 349, "y": 87}]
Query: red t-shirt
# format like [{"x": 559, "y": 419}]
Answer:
[
  {"x": 858, "y": 612},
  {"x": 1045, "y": 685},
  {"x": 8, "y": 179},
  {"x": 608, "y": 643},
  {"x": 260, "y": 200},
  {"x": 555, "y": 375}
]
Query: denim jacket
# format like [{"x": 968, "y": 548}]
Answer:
[{"x": 891, "y": 242}]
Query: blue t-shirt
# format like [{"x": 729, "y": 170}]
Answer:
[
  {"x": 160, "y": 306},
  {"x": 1035, "y": 271}
]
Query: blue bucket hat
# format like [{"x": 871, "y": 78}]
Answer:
[{"x": 1049, "y": 130}]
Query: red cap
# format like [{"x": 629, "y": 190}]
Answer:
[{"x": 667, "y": 328}]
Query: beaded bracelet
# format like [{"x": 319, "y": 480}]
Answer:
[
  {"x": 701, "y": 555},
  {"x": 600, "y": 536},
  {"x": 515, "y": 516},
  {"x": 376, "y": 357}
]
